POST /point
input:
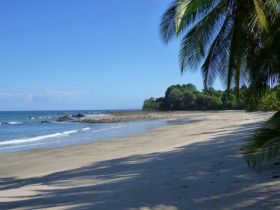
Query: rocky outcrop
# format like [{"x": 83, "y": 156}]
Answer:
[
  {"x": 64, "y": 118},
  {"x": 79, "y": 115}
]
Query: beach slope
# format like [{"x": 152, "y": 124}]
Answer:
[{"x": 187, "y": 165}]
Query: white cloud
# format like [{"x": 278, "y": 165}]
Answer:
[{"x": 46, "y": 94}]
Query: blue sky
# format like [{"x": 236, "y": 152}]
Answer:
[{"x": 85, "y": 54}]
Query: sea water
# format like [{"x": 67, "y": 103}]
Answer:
[{"x": 25, "y": 130}]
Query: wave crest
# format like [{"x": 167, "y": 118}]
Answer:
[
  {"x": 10, "y": 123},
  {"x": 42, "y": 137}
]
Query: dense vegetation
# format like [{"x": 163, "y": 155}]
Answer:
[
  {"x": 187, "y": 97},
  {"x": 238, "y": 41}
]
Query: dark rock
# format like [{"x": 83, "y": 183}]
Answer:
[
  {"x": 78, "y": 115},
  {"x": 64, "y": 118},
  {"x": 45, "y": 121}
]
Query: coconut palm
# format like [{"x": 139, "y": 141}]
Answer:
[
  {"x": 264, "y": 144},
  {"x": 237, "y": 41},
  {"x": 267, "y": 64},
  {"x": 265, "y": 67},
  {"x": 219, "y": 35}
]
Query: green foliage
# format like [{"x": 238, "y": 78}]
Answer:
[
  {"x": 152, "y": 104},
  {"x": 265, "y": 70},
  {"x": 268, "y": 101},
  {"x": 222, "y": 36},
  {"x": 208, "y": 102},
  {"x": 179, "y": 97},
  {"x": 264, "y": 144},
  {"x": 187, "y": 97}
]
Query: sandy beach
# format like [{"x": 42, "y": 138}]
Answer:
[{"x": 193, "y": 165}]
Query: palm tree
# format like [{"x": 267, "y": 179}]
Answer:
[
  {"x": 264, "y": 144},
  {"x": 238, "y": 41},
  {"x": 267, "y": 64},
  {"x": 219, "y": 35}
]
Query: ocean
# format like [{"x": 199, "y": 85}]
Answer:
[{"x": 25, "y": 130}]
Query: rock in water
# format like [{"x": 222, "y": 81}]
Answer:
[
  {"x": 64, "y": 118},
  {"x": 78, "y": 115}
]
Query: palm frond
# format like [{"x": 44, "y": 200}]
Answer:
[
  {"x": 189, "y": 10},
  {"x": 168, "y": 23},
  {"x": 194, "y": 44},
  {"x": 264, "y": 144},
  {"x": 216, "y": 61},
  {"x": 273, "y": 8},
  {"x": 237, "y": 57},
  {"x": 260, "y": 15}
]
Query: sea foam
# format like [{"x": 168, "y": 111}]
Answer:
[
  {"x": 42, "y": 137},
  {"x": 14, "y": 123},
  {"x": 30, "y": 140},
  {"x": 10, "y": 123}
]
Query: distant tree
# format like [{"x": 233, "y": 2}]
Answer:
[
  {"x": 228, "y": 100},
  {"x": 189, "y": 99},
  {"x": 206, "y": 102},
  {"x": 152, "y": 104},
  {"x": 189, "y": 88},
  {"x": 174, "y": 98}
]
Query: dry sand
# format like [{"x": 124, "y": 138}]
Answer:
[{"x": 188, "y": 166}]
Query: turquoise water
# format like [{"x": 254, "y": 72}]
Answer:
[{"x": 25, "y": 130}]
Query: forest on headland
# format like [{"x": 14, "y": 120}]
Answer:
[{"x": 188, "y": 97}]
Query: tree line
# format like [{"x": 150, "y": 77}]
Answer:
[{"x": 187, "y": 97}]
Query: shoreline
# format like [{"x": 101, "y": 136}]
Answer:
[
  {"x": 122, "y": 124},
  {"x": 184, "y": 166},
  {"x": 85, "y": 133},
  {"x": 133, "y": 116}
]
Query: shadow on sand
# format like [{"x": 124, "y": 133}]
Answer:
[{"x": 205, "y": 175}]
